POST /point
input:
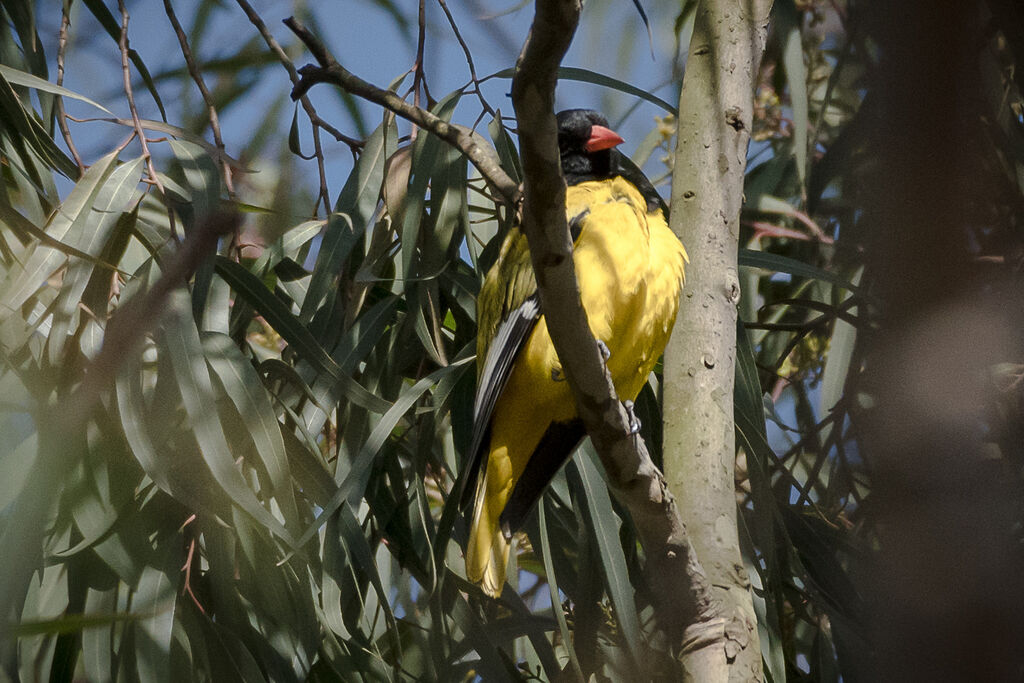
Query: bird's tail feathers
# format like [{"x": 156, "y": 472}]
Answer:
[{"x": 487, "y": 554}]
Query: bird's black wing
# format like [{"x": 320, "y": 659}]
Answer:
[
  {"x": 553, "y": 451},
  {"x": 512, "y": 333}
]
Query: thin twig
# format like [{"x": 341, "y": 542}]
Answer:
[
  {"x": 293, "y": 75},
  {"x": 126, "y": 71},
  {"x": 317, "y": 123},
  {"x": 469, "y": 59},
  {"x": 418, "y": 77},
  {"x": 197, "y": 76},
  {"x": 324, "y": 194},
  {"x": 482, "y": 157},
  {"x": 62, "y": 46}
]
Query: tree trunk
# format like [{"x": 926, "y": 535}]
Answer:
[{"x": 715, "y": 114}]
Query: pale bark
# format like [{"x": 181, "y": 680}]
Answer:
[
  {"x": 683, "y": 595},
  {"x": 715, "y": 114}
]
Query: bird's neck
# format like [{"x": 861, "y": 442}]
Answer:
[{"x": 578, "y": 167}]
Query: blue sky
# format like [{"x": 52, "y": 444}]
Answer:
[{"x": 366, "y": 38}]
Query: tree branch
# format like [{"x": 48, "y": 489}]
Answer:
[
  {"x": 482, "y": 157},
  {"x": 683, "y": 596},
  {"x": 715, "y": 113}
]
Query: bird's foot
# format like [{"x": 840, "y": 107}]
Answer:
[
  {"x": 634, "y": 421},
  {"x": 606, "y": 353},
  {"x": 556, "y": 374}
]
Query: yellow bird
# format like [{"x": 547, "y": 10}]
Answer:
[{"x": 630, "y": 271}]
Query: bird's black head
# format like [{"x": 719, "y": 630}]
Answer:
[{"x": 585, "y": 143}]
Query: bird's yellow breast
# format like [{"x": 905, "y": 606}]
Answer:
[{"x": 630, "y": 271}]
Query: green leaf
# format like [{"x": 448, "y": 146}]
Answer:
[
  {"x": 294, "y": 141},
  {"x": 120, "y": 189},
  {"x": 604, "y": 527},
  {"x": 201, "y": 175},
  {"x": 747, "y": 389},
  {"x": 98, "y": 644},
  {"x": 243, "y": 387},
  {"x": 131, "y": 404},
  {"x": 426, "y": 156},
  {"x": 17, "y": 77},
  {"x": 14, "y": 221},
  {"x": 351, "y": 214},
  {"x": 359, "y": 550},
  {"x": 837, "y": 362},
  {"x": 73, "y": 217},
  {"x": 181, "y": 342},
  {"x": 26, "y": 129},
  {"x": 250, "y": 288},
  {"x": 156, "y": 595},
  {"x": 352, "y": 488},
  {"x": 491, "y": 665},
  {"x": 506, "y": 148},
  {"x": 556, "y": 602},
  {"x": 182, "y": 134}
]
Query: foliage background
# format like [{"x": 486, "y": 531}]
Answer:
[{"x": 258, "y": 489}]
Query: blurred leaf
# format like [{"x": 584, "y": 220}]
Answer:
[
  {"x": 784, "y": 264},
  {"x": 788, "y": 29},
  {"x": 837, "y": 362},
  {"x": 17, "y": 77}
]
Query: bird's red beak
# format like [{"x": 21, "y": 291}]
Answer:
[{"x": 602, "y": 138}]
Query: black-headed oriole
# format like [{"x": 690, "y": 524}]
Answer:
[{"x": 630, "y": 271}]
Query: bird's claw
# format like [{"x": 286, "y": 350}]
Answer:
[
  {"x": 606, "y": 353},
  {"x": 634, "y": 421},
  {"x": 556, "y": 374}
]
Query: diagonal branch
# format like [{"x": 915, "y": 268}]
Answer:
[
  {"x": 683, "y": 596},
  {"x": 481, "y": 156}
]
